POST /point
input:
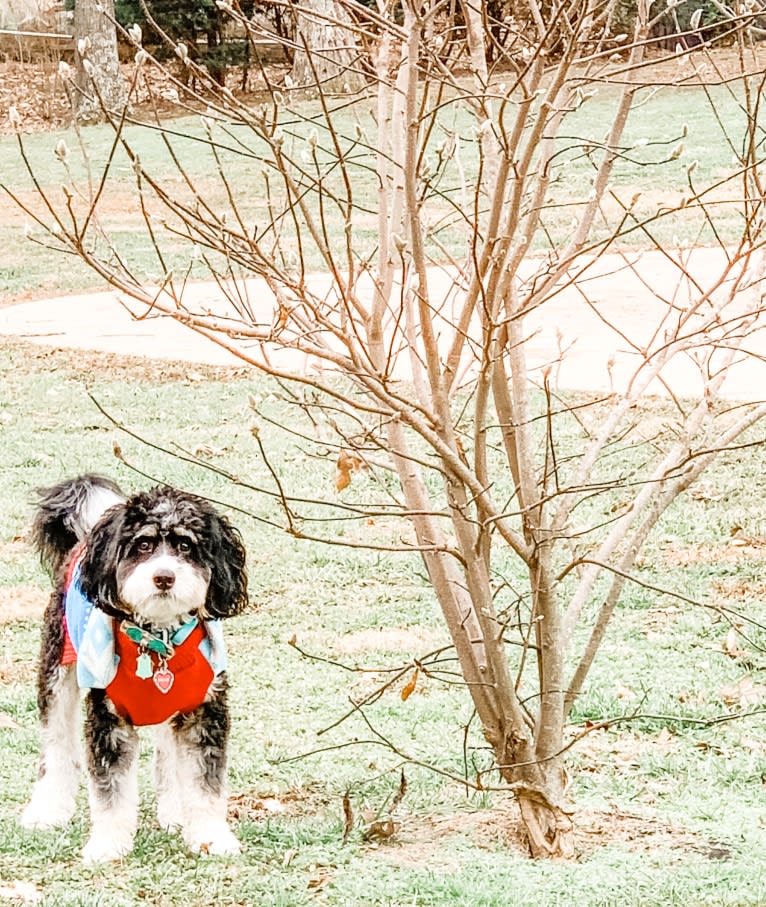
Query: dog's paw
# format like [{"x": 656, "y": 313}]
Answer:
[
  {"x": 41, "y": 814},
  {"x": 105, "y": 849},
  {"x": 218, "y": 841},
  {"x": 169, "y": 819}
]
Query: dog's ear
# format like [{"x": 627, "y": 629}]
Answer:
[
  {"x": 98, "y": 569},
  {"x": 227, "y": 592}
]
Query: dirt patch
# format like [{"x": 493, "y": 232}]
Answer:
[
  {"x": 17, "y": 672},
  {"x": 37, "y": 91},
  {"x": 254, "y": 806},
  {"x": 726, "y": 553},
  {"x": 740, "y": 589},
  {"x": 714, "y": 65},
  {"x": 641, "y": 835},
  {"x": 411, "y": 640},
  {"x": 13, "y": 549},
  {"x": 19, "y": 603},
  {"x": 421, "y": 840},
  {"x": 88, "y": 364}
]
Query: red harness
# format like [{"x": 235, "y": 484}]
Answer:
[
  {"x": 69, "y": 655},
  {"x": 140, "y": 701}
]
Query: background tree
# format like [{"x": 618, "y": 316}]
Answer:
[
  {"x": 409, "y": 247},
  {"x": 166, "y": 22},
  {"x": 326, "y": 52},
  {"x": 98, "y": 83}
]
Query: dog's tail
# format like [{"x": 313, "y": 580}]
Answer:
[{"x": 67, "y": 512}]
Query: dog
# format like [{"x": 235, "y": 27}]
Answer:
[{"x": 141, "y": 585}]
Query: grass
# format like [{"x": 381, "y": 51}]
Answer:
[
  {"x": 670, "y": 812},
  {"x": 654, "y": 130}
]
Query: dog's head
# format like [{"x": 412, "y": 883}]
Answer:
[{"x": 163, "y": 556}]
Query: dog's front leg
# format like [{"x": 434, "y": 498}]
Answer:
[
  {"x": 112, "y": 746},
  {"x": 166, "y": 778},
  {"x": 201, "y": 739}
]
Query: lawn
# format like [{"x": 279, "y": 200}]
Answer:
[
  {"x": 652, "y": 163},
  {"x": 670, "y": 811}
]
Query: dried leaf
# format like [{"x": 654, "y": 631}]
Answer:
[
  {"x": 317, "y": 882},
  {"x": 246, "y": 806},
  {"x": 743, "y": 693},
  {"x": 624, "y": 693},
  {"x": 381, "y": 830},
  {"x": 7, "y": 721},
  {"x": 705, "y": 746},
  {"x": 400, "y": 793},
  {"x": 206, "y": 452},
  {"x": 283, "y": 316},
  {"x": 665, "y": 737},
  {"x": 409, "y": 687},
  {"x": 348, "y": 818},
  {"x": 590, "y": 725},
  {"x": 346, "y": 465}
]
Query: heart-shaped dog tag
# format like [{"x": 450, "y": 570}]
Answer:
[{"x": 163, "y": 679}]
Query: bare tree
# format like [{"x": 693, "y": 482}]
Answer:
[
  {"x": 98, "y": 84},
  {"x": 419, "y": 305}
]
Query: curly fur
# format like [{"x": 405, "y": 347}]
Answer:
[
  {"x": 218, "y": 547},
  {"x": 156, "y": 558}
]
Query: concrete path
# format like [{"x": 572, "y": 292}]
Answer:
[{"x": 596, "y": 356}]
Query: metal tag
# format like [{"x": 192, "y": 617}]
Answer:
[
  {"x": 163, "y": 679},
  {"x": 144, "y": 667}
]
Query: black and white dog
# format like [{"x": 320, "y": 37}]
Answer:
[{"x": 141, "y": 585}]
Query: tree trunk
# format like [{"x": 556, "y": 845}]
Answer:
[
  {"x": 333, "y": 61},
  {"x": 540, "y": 788},
  {"x": 99, "y": 82}
]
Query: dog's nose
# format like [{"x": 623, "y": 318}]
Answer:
[{"x": 164, "y": 579}]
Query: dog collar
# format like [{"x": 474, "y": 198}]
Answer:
[
  {"x": 160, "y": 642},
  {"x": 163, "y": 642}
]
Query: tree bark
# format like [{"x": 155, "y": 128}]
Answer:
[
  {"x": 333, "y": 60},
  {"x": 99, "y": 85}
]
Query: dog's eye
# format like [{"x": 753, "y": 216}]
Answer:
[
  {"x": 144, "y": 546},
  {"x": 184, "y": 547}
]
